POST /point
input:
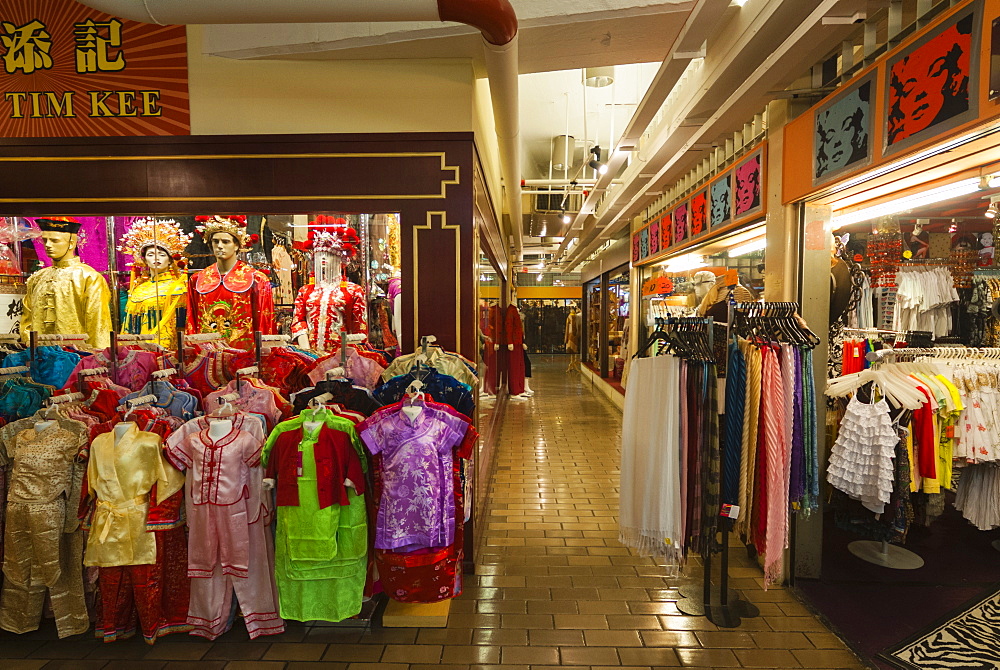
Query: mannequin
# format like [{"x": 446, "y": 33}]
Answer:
[
  {"x": 69, "y": 297},
  {"x": 920, "y": 240},
  {"x": 227, "y": 297},
  {"x": 527, "y": 361},
  {"x": 331, "y": 303},
  {"x": 702, "y": 281},
  {"x": 159, "y": 286},
  {"x": 514, "y": 330}
]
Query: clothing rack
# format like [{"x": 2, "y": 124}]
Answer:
[
  {"x": 163, "y": 374},
  {"x": 66, "y": 397},
  {"x": 83, "y": 374},
  {"x": 34, "y": 338},
  {"x": 141, "y": 400},
  {"x": 16, "y": 370},
  {"x": 940, "y": 352}
]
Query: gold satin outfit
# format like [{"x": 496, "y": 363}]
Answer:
[
  {"x": 121, "y": 476},
  {"x": 67, "y": 298},
  {"x": 152, "y": 307},
  {"x": 42, "y": 539}
]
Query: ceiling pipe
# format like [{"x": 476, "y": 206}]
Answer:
[{"x": 494, "y": 18}]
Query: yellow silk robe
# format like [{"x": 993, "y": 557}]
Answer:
[
  {"x": 68, "y": 298},
  {"x": 121, "y": 476},
  {"x": 152, "y": 308}
]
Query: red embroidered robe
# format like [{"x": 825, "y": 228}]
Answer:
[
  {"x": 226, "y": 304},
  {"x": 321, "y": 310}
]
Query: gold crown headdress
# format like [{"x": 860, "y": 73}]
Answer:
[
  {"x": 235, "y": 225},
  {"x": 151, "y": 232}
]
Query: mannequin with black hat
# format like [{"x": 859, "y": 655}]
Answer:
[{"x": 69, "y": 297}]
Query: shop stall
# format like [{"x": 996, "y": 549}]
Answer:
[
  {"x": 893, "y": 178},
  {"x": 282, "y": 298}
]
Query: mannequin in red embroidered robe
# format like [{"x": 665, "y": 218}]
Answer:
[
  {"x": 230, "y": 297},
  {"x": 492, "y": 349},
  {"x": 514, "y": 330},
  {"x": 332, "y": 303}
]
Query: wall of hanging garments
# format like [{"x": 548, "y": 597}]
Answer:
[
  {"x": 914, "y": 425},
  {"x": 284, "y": 483},
  {"x": 681, "y": 462}
]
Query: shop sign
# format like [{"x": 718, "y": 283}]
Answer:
[
  {"x": 657, "y": 286},
  {"x": 844, "y": 131},
  {"x": 932, "y": 85},
  {"x": 11, "y": 307},
  {"x": 68, "y": 71}
]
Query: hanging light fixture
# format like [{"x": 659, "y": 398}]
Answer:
[
  {"x": 599, "y": 77},
  {"x": 596, "y": 163}
]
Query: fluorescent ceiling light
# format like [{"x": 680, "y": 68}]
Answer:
[
  {"x": 748, "y": 248},
  {"x": 685, "y": 263},
  {"x": 928, "y": 197}
]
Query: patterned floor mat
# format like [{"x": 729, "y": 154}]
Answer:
[{"x": 968, "y": 640}]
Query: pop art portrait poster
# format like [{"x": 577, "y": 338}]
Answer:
[
  {"x": 666, "y": 230},
  {"x": 747, "y": 199},
  {"x": 932, "y": 85},
  {"x": 699, "y": 213},
  {"x": 643, "y": 242},
  {"x": 635, "y": 248},
  {"x": 843, "y": 132},
  {"x": 654, "y": 237},
  {"x": 721, "y": 203},
  {"x": 680, "y": 215}
]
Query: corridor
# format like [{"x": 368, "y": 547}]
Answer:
[{"x": 554, "y": 587}]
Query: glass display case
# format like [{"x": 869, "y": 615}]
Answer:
[{"x": 606, "y": 312}]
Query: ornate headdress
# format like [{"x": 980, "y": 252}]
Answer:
[
  {"x": 235, "y": 225},
  {"x": 334, "y": 236},
  {"x": 150, "y": 232}
]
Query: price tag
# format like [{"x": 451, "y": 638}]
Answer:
[{"x": 730, "y": 511}]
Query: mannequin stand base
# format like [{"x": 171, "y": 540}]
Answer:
[
  {"x": 416, "y": 615},
  {"x": 885, "y": 554},
  {"x": 730, "y": 615}
]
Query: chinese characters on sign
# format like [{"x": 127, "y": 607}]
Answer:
[
  {"x": 27, "y": 46},
  {"x": 68, "y": 70}
]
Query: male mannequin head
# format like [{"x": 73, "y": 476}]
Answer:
[
  {"x": 59, "y": 237},
  {"x": 224, "y": 247}
]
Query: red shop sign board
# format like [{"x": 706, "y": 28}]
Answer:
[{"x": 70, "y": 71}]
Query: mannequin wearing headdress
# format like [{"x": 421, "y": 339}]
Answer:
[
  {"x": 69, "y": 297},
  {"x": 331, "y": 303},
  {"x": 229, "y": 297},
  {"x": 159, "y": 286}
]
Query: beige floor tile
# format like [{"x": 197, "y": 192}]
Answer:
[
  {"x": 656, "y": 657},
  {"x": 530, "y": 655},
  {"x": 589, "y": 655},
  {"x": 766, "y": 658}
]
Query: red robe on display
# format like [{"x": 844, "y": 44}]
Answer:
[
  {"x": 515, "y": 358},
  {"x": 320, "y": 311},
  {"x": 228, "y": 304}
]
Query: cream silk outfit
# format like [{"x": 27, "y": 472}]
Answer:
[
  {"x": 152, "y": 307},
  {"x": 67, "y": 298},
  {"x": 121, "y": 476}
]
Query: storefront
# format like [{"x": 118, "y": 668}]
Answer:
[
  {"x": 191, "y": 238},
  {"x": 897, "y": 197},
  {"x": 682, "y": 256},
  {"x": 604, "y": 317}
]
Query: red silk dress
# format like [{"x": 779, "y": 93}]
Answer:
[
  {"x": 515, "y": 362},
  {"x": 227, "y": 304},
  {"x": 320, "y": 311}
]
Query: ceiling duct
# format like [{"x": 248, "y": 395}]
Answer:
[{"x": 563, "y": 152}]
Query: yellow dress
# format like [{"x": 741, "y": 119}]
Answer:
[
  {"x": 152, "y": 307},
  {"x": 121, "y": 476},
  {"x": 70, "y": 297}
]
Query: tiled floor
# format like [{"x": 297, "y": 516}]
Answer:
[{"x": 553, "y": 587}]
